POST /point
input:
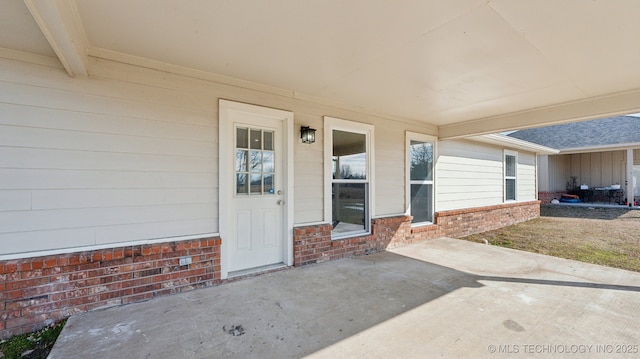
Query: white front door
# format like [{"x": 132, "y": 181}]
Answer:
[{"x": 255, "y": 236}]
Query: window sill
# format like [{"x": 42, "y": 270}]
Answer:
[
  {"x": 349, "y": 235},
  {"x": 421, "y": 224}
]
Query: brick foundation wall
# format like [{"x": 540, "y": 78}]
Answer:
[
  {"x": 463, "y": 222},
  {"x": 313, "y": 244},
  {"x": 37, "y": 291}
]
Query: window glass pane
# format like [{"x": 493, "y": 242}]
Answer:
[
  {"x": 349, "y": 155},
  {"x": 510, "y": 165},
  {"x": 256, "y": 139},
  {"x": 241, "y": 161},
  {"x": 268, "y": 184},
  {"x": 256, "y": 184},
  {"x": 421, "y": 203},
  {"x": 242, "y": 137},
  {"x": 421, "y": 161},
  {"x": 241, "y": 184},
  {"x": 267, "y": 161},
  {"x": 349, "y": 207},
  {"x": 268, "y": 140},
  {"x": 510, "y": 189},
  {"x": 255, "y": 161}
]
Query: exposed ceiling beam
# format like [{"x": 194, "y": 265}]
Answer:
[
  {"x": 606, "y": 106},
  {"x": 60, "y": 24}
]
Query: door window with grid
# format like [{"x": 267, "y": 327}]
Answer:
[{"x": 254, "y": 162}]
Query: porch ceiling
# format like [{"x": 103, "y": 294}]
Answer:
[{"x": 467, "y": 66}]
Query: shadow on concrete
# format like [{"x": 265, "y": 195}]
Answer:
[
  {"x": 560, "y": 283},
  {"x": 287, "y": 314}
]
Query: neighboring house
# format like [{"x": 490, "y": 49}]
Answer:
[
  {"x": 149, "y": 149},
  {"x": 597, "y": 153}
]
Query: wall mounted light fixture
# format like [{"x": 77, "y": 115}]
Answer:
[{"x": 308, "y": 134}]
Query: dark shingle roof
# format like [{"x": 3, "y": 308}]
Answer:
[{"x": 607, "y": 131}]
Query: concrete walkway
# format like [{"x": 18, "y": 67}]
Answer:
[{"x": 441, "y": 298}]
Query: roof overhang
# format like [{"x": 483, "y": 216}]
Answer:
[
  {"x": 514, "y": 143},
  {"x": 603, "y": 148}
]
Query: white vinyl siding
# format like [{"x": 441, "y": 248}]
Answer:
[
  {"x": 470, "y": 174},
  {"x": 526, "y": 176},
  {"x": 86, "y": 162},
  {"x": 131, "y": 154}
]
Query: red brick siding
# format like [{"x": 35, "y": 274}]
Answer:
[
  {"x": 37, "y": 291},
  {"x": 313, "y": 244},
  {"x": 463, "y": 222}
]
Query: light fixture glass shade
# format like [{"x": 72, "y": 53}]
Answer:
[{"x": 308, "y": 134}]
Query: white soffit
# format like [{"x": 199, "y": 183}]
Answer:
[
  {"x": 19, "y": 31},
  {"x": 467, "y": 66}
]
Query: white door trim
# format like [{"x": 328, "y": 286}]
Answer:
[{"x": 225, "y": 190}]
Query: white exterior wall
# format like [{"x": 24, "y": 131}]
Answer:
[
  {"x": 470, "y": 174},
  {"x": 95, "y": 161},
  {"x": 130, "y": 154},
  {"x": 526, "y": 183}
]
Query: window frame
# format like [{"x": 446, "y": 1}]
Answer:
[
  {"x": 505, "y": 177},
  {"x": 331, "y": 124},
  {"x": 413, "y": 136},
  {"x": 248, "y": 172}
]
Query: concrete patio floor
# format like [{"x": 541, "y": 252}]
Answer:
[{"x": 440, "y": 298}]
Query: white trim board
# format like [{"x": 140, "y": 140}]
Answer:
[{"x": 51, "y": 252}]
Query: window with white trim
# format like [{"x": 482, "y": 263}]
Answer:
[
  {"x": 420, "y": 155},
  {"x": 348, "y": 151},
  {"x": 510, "y": 175}
]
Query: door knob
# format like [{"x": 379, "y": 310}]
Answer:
[
  {"x": 280, "y": 202},
  {"x": 279, "y": 192}
]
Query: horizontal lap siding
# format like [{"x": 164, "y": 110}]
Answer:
[
  {"x": 526, "y": 176},
  {"x": 309, "y": 175},
  {"x": 389, "y": 168},
  {"x": 98, "y": 161},
  {"x": 132, "y": 153},
  {"x": 468, "y": 174}
]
